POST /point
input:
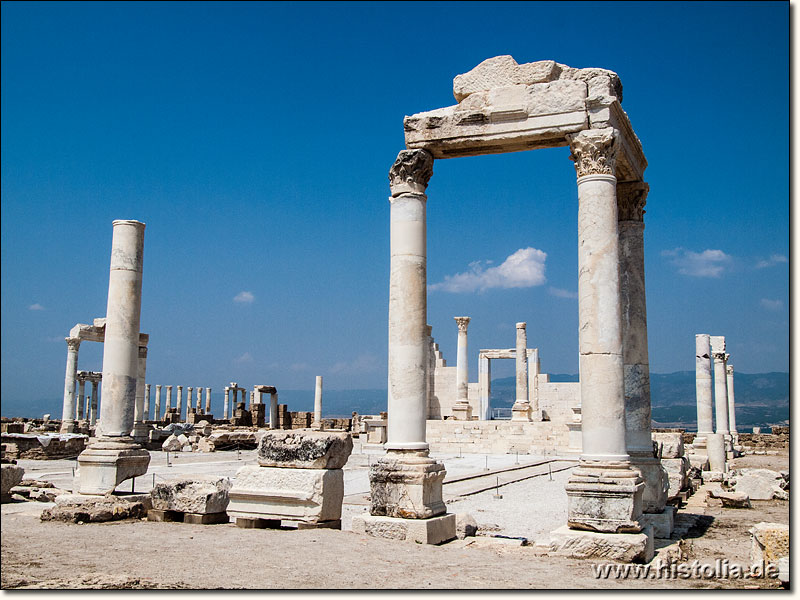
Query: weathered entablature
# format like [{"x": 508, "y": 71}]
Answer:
[{"x": 507, "y": 107}]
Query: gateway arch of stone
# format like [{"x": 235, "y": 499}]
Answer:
[{"x": 506, "y": 107}]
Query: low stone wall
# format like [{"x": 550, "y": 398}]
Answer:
[
  {"x": 31, "y": 447},
  {"x": 498, "y": 437},
  {"x": 764, "y": 441}
]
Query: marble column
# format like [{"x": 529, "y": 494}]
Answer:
[
  {"x": 169, "y": 401},
  {"x": 703, "y": 389},
  {"x": 179, "y": 403},
  {"x": 462, "y": 411},
  {"x": 157, "y": 411},
  {"x": 604, "y": 492},
  {"x": 81, "y": 397},
  {"x": 95, "y": 399},
  {"x": 429, "y": 380},
  {"x": 225, "y": 402},
  {"x": 244, "y": 391},
  {"x": 68, "y": 408},
  {"x": 115, "y": 457},
  {"x": 533, "y": 384},
  {"x": 140, "y": 431},
  {"x": 199, "y": 402},
  {"x": 721, "y": 393},
  {"x": 208, "y": 400},
  {"x": 406, "y": 484},
  {"x": 631, "y": 199},
  {"x": 521, "y": 411},
  {"x": 146, "y": 402},
  {"x": 485, "y": 381},
  {"x": 252, "y": 399},
  {"x": 189, "y": 391},
  {"x": 731, "y": 403},
  {"x": 318, "y": 403},
  {"x": 273, "y": 410}
]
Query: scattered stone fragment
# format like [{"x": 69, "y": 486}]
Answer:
[
  {"x": 730, "y": 499},
  {"x": 200, "y": 494},
  {"x": 11, "y": 476},
  {"x": 759, "y": 484},
  {"x": 171, "y": 444},
  {"x": 466, "y": 525},
  {"x": 95, "y": 510}
]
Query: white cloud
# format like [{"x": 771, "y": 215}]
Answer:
[
  {"x": 771, "y": 304},
  {"x": 559, "y": 293},
  {"x": 36, "y": 306},
  {"x": 708, "y": 263},
  {"x": 524, "y": 268},
  {"x": 244, "y": 358},
  {"x": 244, "y": 298},
  {"x": 773, "y": 260},
  {"x": 365, "y": 363}
]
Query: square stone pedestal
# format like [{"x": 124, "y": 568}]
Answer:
[
  {"x": 462, "y": 411},
  {"x": 435, "y": 530},
  {"x": 106, "y": 464},
  {"x": 624, "y": 547},
  {"x": 605, "y": 498},
  {"x": 407, "y": 485},
  {"x": 521, "y": 411},
  {"x": 663, "y": 523}
]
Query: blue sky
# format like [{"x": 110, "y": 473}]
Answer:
[{"x": 254, "y": 140}]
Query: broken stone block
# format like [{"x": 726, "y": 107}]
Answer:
[
  {"x": 171, "y": 444},
  {"x": 93, "y": 510},
  {"x": 677, "y": 470},
  {"x": 206, "y": 445},
  {"x": 669, "y": 445},
  {"x": 713, "y": 476},
  {"x": 466, "y": 525},
  {"x": 759, "y": 484},
  {"x": 200, "y": 494},
  {"x": 183, "y": 439},
  {"x": 770, "y": 542},
  {"x": 10, "y": 477},
  {"x": 624, "y": 547},
  {"x": 274, "y": 493},
  {"x": 304, "y": 449}
]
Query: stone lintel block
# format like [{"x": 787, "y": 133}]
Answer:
[
  {"x": 304, "y": 449},
  {"x": 407, "y": 486},
  {"x": 623, "y": 547},
  {"x": 106, "y": 464},
  {"x": 434, "y": 530},
  {"x": 199, "y": 494},
  {"x": 663, "y": 523},
  {"x": 275, "y": 493}
]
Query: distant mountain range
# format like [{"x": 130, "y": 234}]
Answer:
[{"x": 761, "y": 400}]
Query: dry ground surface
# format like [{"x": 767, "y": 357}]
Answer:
[{"x": 143, "y": 554}]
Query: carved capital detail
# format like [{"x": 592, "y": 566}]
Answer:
[
  {"x": 142, "y": 351},
  {"x": 594, "y": 151},
  {"x": 462, "y": 323},
  {"x": 411, "y": 172},
  {"x": 729, "y": 369},
  {"x": 631, "y": 199},
  {"x": 73, "y": 343},
  {"x": 721, "y": 356},
  {"x": 522, "y": 325}
]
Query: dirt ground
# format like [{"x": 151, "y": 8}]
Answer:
[{"x": 143, "y": 554}]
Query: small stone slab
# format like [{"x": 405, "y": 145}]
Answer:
[
  {"x": 258, "y": 523},
  {"x": 730, "y": 499},
  {"x": 624, "y": 547},
  {"x": 435, "y": 530},
  {"x": 320, "y": 525},
  {"x": 206, "y": 519}
]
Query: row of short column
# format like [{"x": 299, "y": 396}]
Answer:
[{"x": 158, "y": 414}]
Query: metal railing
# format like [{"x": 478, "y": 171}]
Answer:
[{"x": 501, "y": 414}]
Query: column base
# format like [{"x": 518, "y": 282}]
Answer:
[
  {"x": 435, "y": 530},
  {"x": 656, "y": 482},
  {"x": 700, "y": 442},
  {"x": 624, "y": 547},
  {"x": 140, "y": 433},
  {"x": 68, "y": 426},
  {"x": 407, "y": 484},
  {"x": 521, "y": 411},
  {"x": 462, "y": 411},
  {"x": 605, "y": 496},
  {"x": 663, "y": 523},
  {"x": 109, "y": 462}
]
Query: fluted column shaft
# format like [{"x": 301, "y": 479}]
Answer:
[{"x": 68, "y": 408}]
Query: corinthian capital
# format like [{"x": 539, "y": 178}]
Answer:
[
  {"x": 631, "y": 198},
  {"x": 721, "y": 356},
  {"x": 594, "y": 151},
  {"x": 73, "y": 343},
  {"x": 411, "y": 172},
  {"x": 462, "y": 323}
]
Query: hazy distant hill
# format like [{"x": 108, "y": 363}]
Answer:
[{"x": 761, "y": 399}]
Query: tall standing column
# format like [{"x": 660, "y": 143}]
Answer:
[
  {"x": 485, "y": 384},
  {"x": 68, "y": 408},
  {"x": 731, "y": 403},
  {"x": 243, "y": 391},
  {"x": 81, "y": 396},
  {"x": 146, "y": 402},
  {"x": 179, "y": 403},
  {"x": 521, "y": 411},
  {"x": 604, "y": 492},
  {"x": 140, "y": 431},
  {"x": 115, "y": 457},
  {"x": 462, "y": 409},
  {"x": 318, "y": 403},
  {"x": 703, "y": 388},
  {"x": 273, "y": 410},
  {"x": 199, "y": 401},
  {"x": 721, "y": 392},
  {"x": 157, "y": 411},
  {"x": 95, "y": 391},
  {"x": 533, "y": 384},
  {"x": 631, "y": 199},
  {"x": 208, "y": 401},
  {"x": 225, "y": 413},
  {"x": 169, "y": 401},
  {"x": 252, "y": 399},
  {"x": 407, "y": 483},
  {"x": 189, "y": 391}
]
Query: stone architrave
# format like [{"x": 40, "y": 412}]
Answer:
[
  {"x": 631, "y": 199},
  {"x": 146, "y": 402},
  {"x": 406, "y": 484},
  {"x": 318, "y": 403},
  {"x": 604, "y": 492},
  {"x": 731, "y": 403},
  {"x": 521, "y": 410},
  {"x": 462, "y": 410},
  {"x": 704, "y": 389},
  {"x": 208, "y": 401},
  {"x": 115, "y": 456},
  {"x": 68, "y": 410},
  {"x": 157, "y": 411}
]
